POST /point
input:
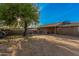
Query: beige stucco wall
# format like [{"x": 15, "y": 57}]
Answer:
[{"x": 68, "y": 31}]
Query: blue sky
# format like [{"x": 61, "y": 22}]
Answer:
[{"x": 58, "y": 12}]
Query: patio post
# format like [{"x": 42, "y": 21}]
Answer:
[{"x": 55, "y": 30}]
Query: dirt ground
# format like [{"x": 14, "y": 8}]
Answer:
[{"x": 48, "y": 45}]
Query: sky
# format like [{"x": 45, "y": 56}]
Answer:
[{"x": 58, "y": 12}]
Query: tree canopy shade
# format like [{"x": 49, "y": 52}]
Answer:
[{"x": 26, "y": 12}]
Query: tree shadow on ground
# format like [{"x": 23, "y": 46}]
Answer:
[
  {"x": 49, "y": 45},
  {"x": 43, "y": 47}
]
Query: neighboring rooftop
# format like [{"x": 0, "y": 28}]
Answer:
[{"x": 61, "y": 24}]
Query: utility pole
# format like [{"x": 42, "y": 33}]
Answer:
[{"x": 18, "y": 21}]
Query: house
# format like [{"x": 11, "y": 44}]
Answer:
[
  {"x": 48, "y": 29},
  {"x": 65, "y": 28}
]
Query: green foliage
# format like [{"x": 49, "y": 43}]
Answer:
[{"x": 9, "y": 12}]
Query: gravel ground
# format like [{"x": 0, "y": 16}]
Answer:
[{"x": 48, "y": 45}]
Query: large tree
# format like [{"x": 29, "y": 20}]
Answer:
[{"x": 12, "y": 12}]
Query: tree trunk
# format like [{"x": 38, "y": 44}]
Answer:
[{"x": 25, "y": 29}]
